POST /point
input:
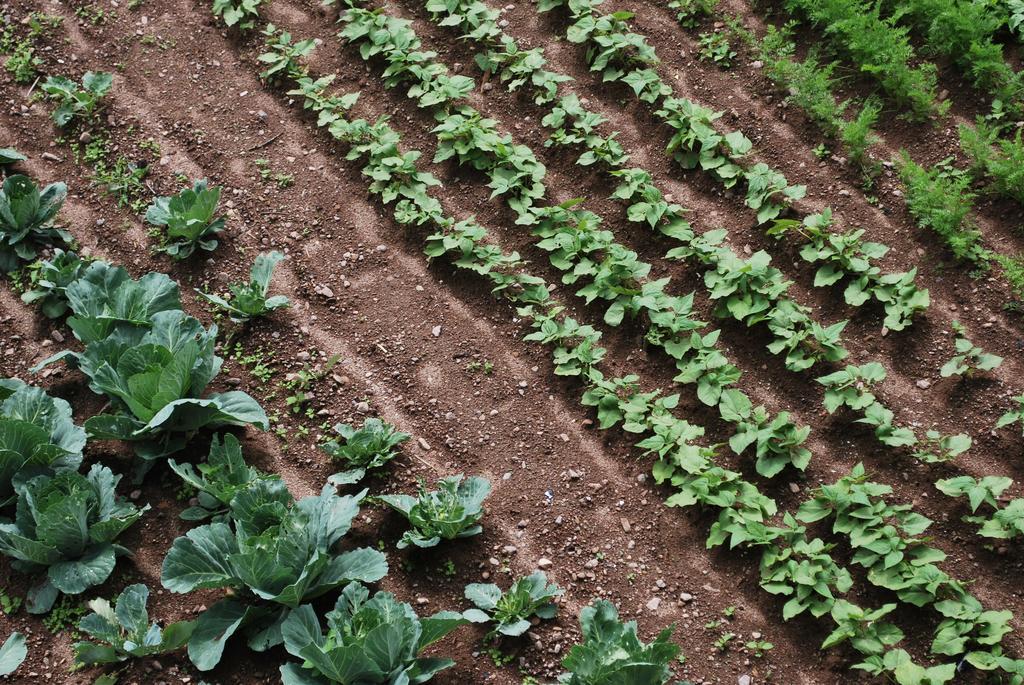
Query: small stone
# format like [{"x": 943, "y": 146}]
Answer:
[
  {"x": 362, "y": 407},
  {"x": 544, "y": 563},
  {"x": 57, "y": 336},
  {"x": 424, "y": 445},
  {"x": 509, "y": 549},
  {"x": 743, "y": 680},
  {"x": 435, "y": 331},
  {"x": 923, "y": 383},
  {"x": 654, "y": 603},
  {"x": 625, "y": 524},
  {"x": 686, "y": 597}
]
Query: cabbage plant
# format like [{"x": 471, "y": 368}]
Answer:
[
  {"x": 106, "y": 302},
  {"x": 155, "y": 386},
  {"x": 218, "y": 480},
  {"x": 123, "y": 631},
  {"x": 74, "y": 102},
  {"x": 188, "y": 220},
  {"x": 369, "y": 640},
  {"x": 452, "y": 511},
  {"x": 249, "y": 300},
  {"x": 49, "y": 279},
  {"x": 511, "y": 610},
  {"x": 272, "y": 554},
  {"x": 37, "y": 436},
  {"x": 64, "y": 531},
  {"x": 612, "y": 653},
  {"x": 27, "y": 219},
  {"x": 362, "y": 449}
]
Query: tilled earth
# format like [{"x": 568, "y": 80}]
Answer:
[{"x": 409, "y": 340}]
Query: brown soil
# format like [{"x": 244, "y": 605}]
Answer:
[{"x": 362, "y": 290}]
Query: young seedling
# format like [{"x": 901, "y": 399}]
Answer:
[
  {"x": 714, "y": 47},
  {"x": 511, "y": 610},
  {"x": 759, "y": 647},
  {"x": 249, "y": 300},
  {"x": 241, "y": 13},
  {"x": 363, "y": 449},
  {"x": 188, "y": 220},
  {"x": 74, "y": 102},
  {"x": 452, "y": 511},
  {"x": 123, "y": 631},
  {"x": 282, "y": 56},
  {"x": 49, "y": 279},
  {"x": 216, "y": 482},
  {"x": 969, "y": 358}
]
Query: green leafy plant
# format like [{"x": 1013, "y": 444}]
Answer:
[
  {"x": 123, "y": 631},
  {"x": 877, "y": 48},
  {"x": 511, "y": 610},
  {"x": 999, "y": 159},
  {"x": 452, "y": 511},
  {"x": 108, "y": 304},
  {"x": 612, "y": 652},
  {"x": 122, "y": 180},
  {"x": 155, "y": 384},
  {"x": 22, "y": 62},
  {"x": 1014, "y": 415},
  {"x": 74, "y": 102},
  {"x": 188, "y": 220},
  {"x": 241, "y": 13},
  {"x": 12, "y": 653},
  {"x": 864, "y": 629},
  {"x": 216, "y": 481},
  {"x": 27, "y": 219},
  {"x": 759, "y": 647},
  {"x": 714, "y": 47},
  {"x": 369, "y": 640},
  {"x": 1006, "y": 522},
  {"x": 363, "y": 449},
  {"x": 272, "y": 554},
  {"x": 282, "y": 56},
  {"x": 1016, "y": 19},
  {"x": 49, "y": 279},
  {"x": 37, "y": 436},
  {"x": 689, "y": 13},
  {"x": 940, "y": 200},
  {"x": 249, "y": 300},
  {"x": 65, "y": 531},
  {"x": 969, "y": 357},
  {"x": 777, "y": 441}
]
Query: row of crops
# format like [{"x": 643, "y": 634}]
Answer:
[
  {"x": 273, "y": 554},
  {"x": 152, "y": 362}
]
